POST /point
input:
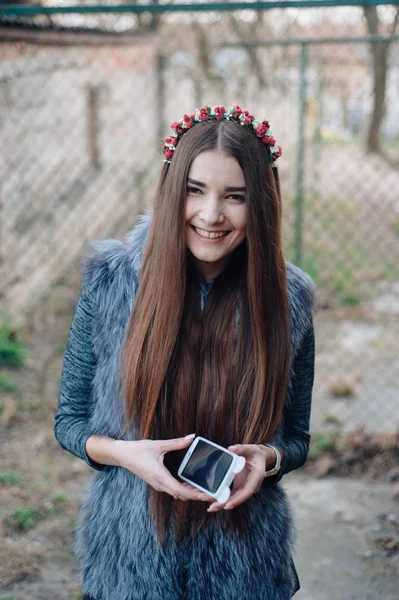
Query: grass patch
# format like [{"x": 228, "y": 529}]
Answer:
[
  {"x": 322, "y": 442},
  {"x": 60, "y": 350},
  {"x": 9, "y": 478},
  {"x": 395, "y": 226},
  {"x": 7, "y": 383},
  {"x": 336, "y": 252},
  {"x": 12, "y": 350},
  {"x": 59, "y": 498},
  {"x": 37, "y": 404},
  {"x": 342, "y": 389},
  {"x": 336, "y": 140},
  {"x": 391, "y": 144},
  {"x": 58, "y": 503},
  {"x": 330, "y": 418},
  {"x": 24, "y": 517}
]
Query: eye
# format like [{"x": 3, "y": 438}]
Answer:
[
  {"x": 238, "y": 197},
  {"x": 192, "y": 190}
]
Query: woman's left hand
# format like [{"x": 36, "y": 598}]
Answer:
[{"x": 258, "y": 458}]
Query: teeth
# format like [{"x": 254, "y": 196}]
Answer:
[{"x": 210, "y": 234}]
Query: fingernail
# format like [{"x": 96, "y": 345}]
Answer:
[
  {"x": 227, "y": 506},
  {"x": 233, "y": 448},
  {"x": 189, "y": 437}
]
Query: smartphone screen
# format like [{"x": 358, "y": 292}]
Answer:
[{"x": 207, "y": 466}]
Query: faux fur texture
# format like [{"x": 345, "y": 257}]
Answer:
[{"x": 116, "y": 542}]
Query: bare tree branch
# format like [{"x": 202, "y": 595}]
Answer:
[
  {"x": 379, "y": 52},
  {"x": 255, "y": 63},
  {"x": 203, "y": 49}
]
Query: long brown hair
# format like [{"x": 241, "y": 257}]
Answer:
[{"x": 221, "y": 372}]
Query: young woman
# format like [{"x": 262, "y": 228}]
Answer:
[{"x": 196, "y": 325}]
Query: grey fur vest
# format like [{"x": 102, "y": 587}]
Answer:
[{"x": 116, "y": 542}]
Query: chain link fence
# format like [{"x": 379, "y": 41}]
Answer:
[{"x": 82, "y": 126}]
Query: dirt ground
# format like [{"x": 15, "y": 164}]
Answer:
[{"x": 348, "y": 527}]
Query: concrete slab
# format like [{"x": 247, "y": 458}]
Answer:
[{"x": 337, "y": 521}]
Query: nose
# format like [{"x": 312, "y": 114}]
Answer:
[{"x": 211, "y": 212}]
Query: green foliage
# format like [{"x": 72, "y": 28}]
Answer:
[
  {"x": 12, "y": 351},
  {"x": 340, "y": 258},
  {"x": 342, "y": 389},
  {"x": 7, "y": 383},
  {"x": 338, "y": 140},
  {"x": 7, "y": 597},
  {"x": 331, "y": 418},
  {"x": 37, "y": 404},
  {"x": 322, "y": 442},
  {"x": 395, "y": 226},
  {"x": 59, "y": 498},
  {"x": 391, "y": 144},
  {"x": 58, "y": 503},
  {"x": 312, "y": 266},
  {"x": 9, "y": 478},
  {"x": 24, "y": 517},
  {"x": 60, "y": 350}
]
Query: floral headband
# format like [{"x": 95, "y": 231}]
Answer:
[{"x": 235, "y": 113}]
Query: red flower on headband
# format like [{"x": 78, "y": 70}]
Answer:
[
  {"x": 237, "y": 112},
  {"x": 219, "y": 112},
  {"x": 203, "y": 115},
  {"x": 279, "y": 152},
  {"x": 188, "y": 121},
  {"x": 168, "y": 153},
  {"x": 261, "y": 130},
  {"x": 177, "y": 127},
  {"x": 247, "y": 114},
  {"x": 272, "y": 141}
]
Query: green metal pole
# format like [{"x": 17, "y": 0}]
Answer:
[
  {"x": 30, "y": 10},
  {"x": 316, "y": 162},
  {"x": 300, "y": 157}
]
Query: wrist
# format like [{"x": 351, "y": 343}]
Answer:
[
  {"x": 118, "y": 452},
  {"x": 274, "y": 466},
  {"x": 270, "y": 456},
  {"x": 105, "y": 450}
]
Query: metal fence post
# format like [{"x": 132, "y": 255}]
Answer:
[
  {"x": 160, "y": 99},
  {"x": 300, "y": 157}
]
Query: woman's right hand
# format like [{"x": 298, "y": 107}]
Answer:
[{"x": 145, "y": 459}]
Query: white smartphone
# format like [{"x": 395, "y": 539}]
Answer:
[{"x": 210, "y": 468}]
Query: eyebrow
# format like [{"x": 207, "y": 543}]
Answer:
[{"x": 227, "y": 189}]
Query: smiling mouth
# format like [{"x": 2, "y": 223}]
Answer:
[{"x": 209, "y": 235}]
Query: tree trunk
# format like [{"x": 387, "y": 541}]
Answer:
[
  {"x": 380, "y": 59},
  {"x": 379, "y": 52}
]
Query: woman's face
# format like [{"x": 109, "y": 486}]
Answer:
[{"x": 215, "y": 215}]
